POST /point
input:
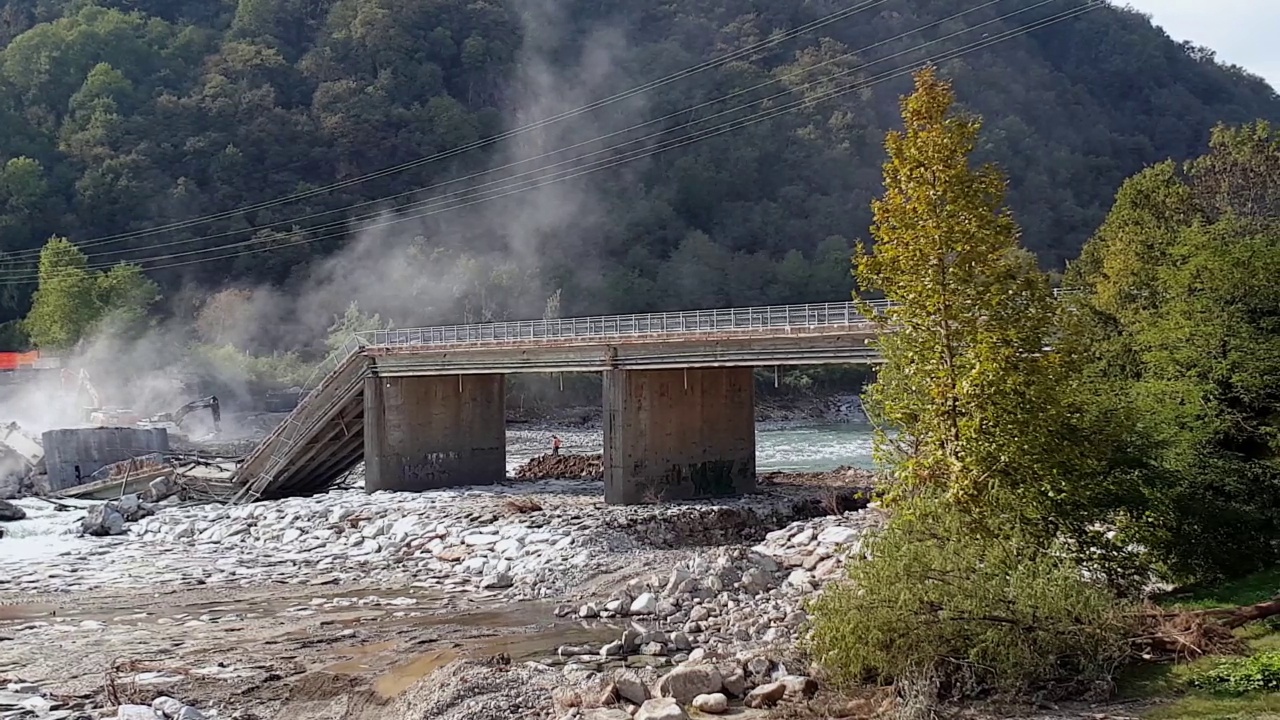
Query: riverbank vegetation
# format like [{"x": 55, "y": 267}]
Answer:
[{"x": 1048, "y": 463}]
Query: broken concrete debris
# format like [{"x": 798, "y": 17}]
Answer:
[
  {"x": 106, "y": 463},
  {"x": 74, "y": 455},
  {"x": 10, "y": 512},
  {"x": 109, "y": 518}
]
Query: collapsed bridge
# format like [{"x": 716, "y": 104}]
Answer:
[{"x": 425, "y": 408}]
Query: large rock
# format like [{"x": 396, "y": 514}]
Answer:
[
  {"x": 135, "y": 712},
  {"x": 661, "y": 709},
  {"x": 131, "y": 507},
  {"x": 799, "y": 686},
  {"x": 162, "y": 488},
  {"x": 689, "y": 681},
  {"x": 10, "y": 512},
  {"x": 646, "y": 604},
  {"x": 837, "y": 535},
  {"x": 712, "y": 704},
  {"x": 10, "y": 486},
  {"x": 167, "y": 707},
  {"x": 103, "y": 520},
  {"x": 765, "y": 696},
  {"x": 630, "y": 687},
  {"x": 496, "y": 581}
]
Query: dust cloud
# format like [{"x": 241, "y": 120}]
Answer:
[{"x": 499, "y": 259}]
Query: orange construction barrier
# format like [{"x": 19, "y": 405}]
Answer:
[{"x": 10, "y": 361}]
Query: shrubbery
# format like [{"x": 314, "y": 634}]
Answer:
[
  {"x": 948, "y": 613},
  {"x": 1239, "y": 676}
]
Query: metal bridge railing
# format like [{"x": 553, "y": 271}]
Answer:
[{"x": 780, "y": 317}]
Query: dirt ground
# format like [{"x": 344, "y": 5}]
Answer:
[{"x": 265, "y": 650}]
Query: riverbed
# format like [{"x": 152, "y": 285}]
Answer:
[{"x": 283, "y": 608}]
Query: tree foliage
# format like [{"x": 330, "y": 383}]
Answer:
[
  {"x": 950, "y": 614},
  {"x": 73, "y": 300},
  {"x": 126, "y": 115},
  {"x": 967, "y": 399},
  {"x": 976, "y": 585},
  {"x": 1184, "y": 317}
]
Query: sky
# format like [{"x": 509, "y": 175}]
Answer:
[{"x": 1243, "y": 32}]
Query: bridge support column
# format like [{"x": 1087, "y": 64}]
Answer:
[
  {"x": 678, "y": 434},
  {"x": 424, "y": 433}
]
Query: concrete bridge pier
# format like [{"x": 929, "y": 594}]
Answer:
[
  {"x": 678, "y": 434},
  {"x": 429, "y": 432}
]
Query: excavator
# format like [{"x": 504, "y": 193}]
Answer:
[
  {"x": 176, "y": 417},
  {"x": 118, "y": 417}
]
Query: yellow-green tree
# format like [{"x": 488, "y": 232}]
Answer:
[
  {"x": 65, "y": 305},
  {"x": 970, "y": 588},
  {"x": 965, "y": 399},
  {"x": 73, "y": 300}
]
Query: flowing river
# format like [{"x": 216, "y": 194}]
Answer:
[{"x": 791, "y": 446}]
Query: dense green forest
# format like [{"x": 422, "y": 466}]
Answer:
[{"x": 129, "y": 117}]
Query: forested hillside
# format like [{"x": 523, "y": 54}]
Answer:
[{"x": 126, "y": 117}]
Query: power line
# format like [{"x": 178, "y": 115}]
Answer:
[
  {"x": 693, "y": 70},
  {"x": 638, "y": 154},
  {"x": 646, "y": 152},
  {"x": 379, "y": 201},
  {"x": 30, "y": 254},
  {"x": 670, "y": 115}
]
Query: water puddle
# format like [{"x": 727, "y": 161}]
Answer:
[{"x": 394, "y": 668}]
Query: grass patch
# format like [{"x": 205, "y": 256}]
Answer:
[
  {"x": 1216, "y": 688},
  {"x": 1257, "y": 707},
  {"x": 1258, "y": 673},
  {"x": 1248, "y": 590}
]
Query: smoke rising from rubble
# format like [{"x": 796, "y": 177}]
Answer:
[
  {"x": 497, "y": 259},
  {"x": 489, "y": 261}
]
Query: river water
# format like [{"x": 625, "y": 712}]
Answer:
[
  {"x": 796, "y": 447},
  {"x": 48, "y": 532}
]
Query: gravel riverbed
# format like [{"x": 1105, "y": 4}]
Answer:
[{"x": 530, "y": 599}]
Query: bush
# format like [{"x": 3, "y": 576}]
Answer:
[
  {"x": 1239, "y": 676},
  {"x": 227, "y": 367},
  {"x": 947, "y": 613}
]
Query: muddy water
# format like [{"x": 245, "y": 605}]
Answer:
[
  {"x": 406, "y": 641},
  {"x": 393, "y": 668}
]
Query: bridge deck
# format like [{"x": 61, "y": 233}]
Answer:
[{"x": 323, "y": 438}]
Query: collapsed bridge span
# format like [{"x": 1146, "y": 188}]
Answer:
[{"x": 424, "y": 407}]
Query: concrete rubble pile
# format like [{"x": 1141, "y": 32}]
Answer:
[
  {"x": 21, "y": 458},
  {"x": 562, "y": 467},
  {"x": 100, "y": 464}
]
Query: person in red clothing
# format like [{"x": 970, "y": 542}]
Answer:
[{"x": 555, "y": 444}]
